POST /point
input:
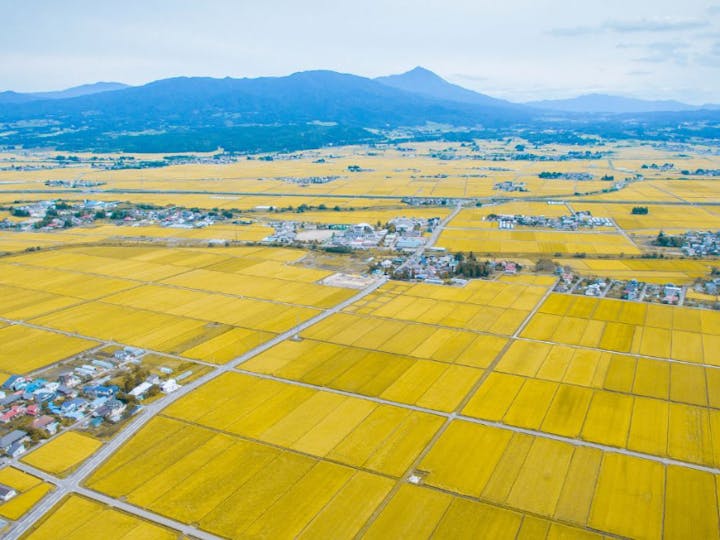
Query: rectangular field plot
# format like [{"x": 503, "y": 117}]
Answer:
[
  {"x": 658, "y": 427},
  {"x": 22, "y": 304},
  {"x": 26, "y": 349},
  {"x": 425, "y": 383},
  {"x": 266, "y": 491},
  {"x": 115, "y": 262},
  {"x": 693, "y": 384},
  {"x": 495, "y": 307},
  {"x": 416, "y": 512},
  {"x": 262, "y": 288},
  {"x": 424, "y": 341},
  {"x": 658, "y": 271},
  {"x": 204, "y": 340},
  {"x": 63, "y": 453},
  {"x": 349, "y": 430},
  {"x": 29, "y": 491},
  {"x": 113, "y": 294},
  {"x": 61, "y": 282},
  {"x": 81, "y": 518},
  {"x": 483, "y": 240},
  {"x": 628, "y": 327},
  {"x": 244, "y": 312},
  {"x": 141, "y": 328},
  {"x": 586, "y": 487}
]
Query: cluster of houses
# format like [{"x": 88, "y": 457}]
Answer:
[
  {"x": 572, "y": 222},
  {"x": 632, "y": 289},
  {"x": 658, "y": 167},
  {"x": 285, "y": 232},
  {"x": 576, "y": 176},
  {"x": 73, "y": 184},
  {"x": 701, "y": 172},
  {"x": 511, "y": 186},
  {"x": 176, "y": 218},
  {"x": 432, "y": 201},
  {"x": 51, "y": 215},
  {"x": 406, "y": 233},
  {"x": 83, "y": 393},
  {"x": 436, "y": 268},
  {"x": 711, "y": 287},
  {"x": 131, "y": 162},
  {"x": 307, "y": 180},
  {"x": 427, "y": 268},
  {"x": 701, "y": 244},
  {"x": 597, "y": 287},
  {"x": 357, "y": 236},
  {"x": 402, "y": 234}
]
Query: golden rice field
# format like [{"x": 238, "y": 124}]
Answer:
[
  {"x": 655, "y": 330},
  {"x": 426, "y": 383},
  {"x": 697, "y": 191},
  {"x": 659, "y": 217},
  {"x": 418, "y": 512},
  {"x": 263, "y": 288},
  {"x": 63, "y": 453},
  {"x": 652, "y": 407},
  {"x": 210, "y": 304},
  {"x": 481, "y": 241},
  {"x": 474, "y": 218},
  {"x": 424, "y": 341},
  {"x": 492, "y": 410},
  {"x": 528, "y": 279},
  {"x": 660, "y": 271},
  {"x": 649, "y": 191},
  {"x": 27, "y": 349},
  {"x": 296, "y": 452},
  {"x": 350, "y": 430},
  {"x": 383, "y": 346},
  {"x": 483, "y": 306},
  {"x": 30, "y": 490},
  {"x": 385, "y": 173},
  {"x": 584, "y": 486},
  {"x": 11, "y": 241},
  {"x": 81, "y": 518},
  {"x": 310, "y": 489}
]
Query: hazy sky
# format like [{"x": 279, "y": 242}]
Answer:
[{"x": 516, "y": 49}]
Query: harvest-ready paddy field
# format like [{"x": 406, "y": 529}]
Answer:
[{"x": 425, "y": 408}]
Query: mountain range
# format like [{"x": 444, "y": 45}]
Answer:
[
  {"x": 82, "y": 90},
  {"x": 426, "y": 83},
  {"x": 603, "y": 103},
  {"x": 312, "y": 107}
]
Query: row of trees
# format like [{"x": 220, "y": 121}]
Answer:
[{"x": 666, "y": 240}]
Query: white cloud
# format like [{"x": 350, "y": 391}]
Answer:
[
  {"x": 504, "y": 48},
  {"x": 651, "y": 25}
]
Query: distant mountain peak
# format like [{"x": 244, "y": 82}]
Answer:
[
  {"x": 419, "y": 70},
  {"x": 420, "y": 80}
]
